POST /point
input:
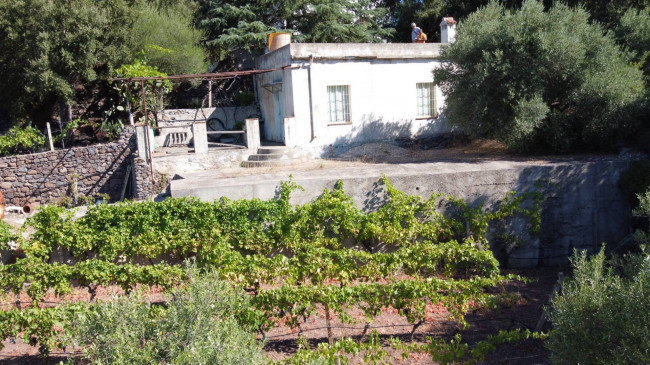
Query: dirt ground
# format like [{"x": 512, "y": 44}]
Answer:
[
  {"x": 442, "y": 149},
  {"x": 531, "y": 299},
  {"x": 281, "y": 341}
]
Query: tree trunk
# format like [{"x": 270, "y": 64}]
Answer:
[{"x": 330, "y": 335}]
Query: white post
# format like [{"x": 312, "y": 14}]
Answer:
[
  {"x": 290, "y": 132},
  {"x": 49, "y": 136},
  {"x": 200, "y": 135},
  {"x": 209, "y": 93},
  {"x": 253, "y": 133},
  {"x": 128, "y": 107},
  {"x": 145, "y": 149}
]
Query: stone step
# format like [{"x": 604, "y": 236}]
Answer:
[
  {"x": 271, "y": 156},
  {"x": 272, "y": 150},
  {"x": 268, "y": 157},
  {"x": 272, "y": 163}
]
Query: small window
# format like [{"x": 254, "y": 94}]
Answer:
[
  {"x": 339, "y": 103},
  {"x": 426, "y": 99}
]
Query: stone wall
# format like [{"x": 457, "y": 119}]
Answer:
[
  {"x": 47, "y": 177},
  {"x": 144, "y": 185}
]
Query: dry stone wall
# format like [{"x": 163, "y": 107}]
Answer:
[{"x": 47, "y": 177}]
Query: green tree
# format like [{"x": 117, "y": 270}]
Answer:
[
  {"x": 608, "y": 13},
  {"x": 46, "y": 46},
  {"x": 540, "y": 81},
  {"x": 233, "y": 25},
  {"x": 166, "y": 34},
  {"x": 634, "y": 33}
]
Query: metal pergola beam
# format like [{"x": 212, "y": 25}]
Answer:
[{"x": 207, "y": 76}]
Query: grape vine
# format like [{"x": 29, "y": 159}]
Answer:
[{"x": 293, "y": 260}]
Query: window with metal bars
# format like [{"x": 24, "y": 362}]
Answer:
[
  {"x": 426, "y": 98},
  {"x": 339, "y": 103}
]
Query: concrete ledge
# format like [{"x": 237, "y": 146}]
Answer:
[{"x": 302, "y": 51}]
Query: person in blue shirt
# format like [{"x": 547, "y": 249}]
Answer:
[{"x": 415, "y": 30}]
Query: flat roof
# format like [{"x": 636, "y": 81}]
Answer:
[{"x": 303, "y": 51}]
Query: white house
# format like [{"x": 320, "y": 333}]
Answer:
[{"x": 349, "y": 93}]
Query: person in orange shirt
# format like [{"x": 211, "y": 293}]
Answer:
[{"x": 421, "y": 38}]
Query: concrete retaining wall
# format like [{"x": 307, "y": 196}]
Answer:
[
  {"x": 171, "y": 165},
  {"x": 583, "y": 206}
]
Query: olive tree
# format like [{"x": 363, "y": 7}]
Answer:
[{"x": 539, "y": 80}]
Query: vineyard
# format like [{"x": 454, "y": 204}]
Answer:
[{"x": 326, "y": 258}]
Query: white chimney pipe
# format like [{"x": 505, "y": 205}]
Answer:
[{"x": 448, "y": 30}]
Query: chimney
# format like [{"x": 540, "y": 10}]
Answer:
[{"x": 448, "y": 30}]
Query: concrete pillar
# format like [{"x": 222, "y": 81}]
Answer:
[
  {"x": 290, "y": 132},
  {"x": 200, "y": 134},
  {"x": 252, "y": 133},
  {"x": 145, "y": 146}
]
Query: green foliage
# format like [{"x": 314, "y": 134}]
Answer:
[
  {"x": 19, "y": 140},
  {"x": 6, "y": 235},
  {"x": 66, "y": 135},
  {"x": 47, "y": 47},
  {"x": 130, "y": 94},
  {"x": 539, "y": 80},
  {"x": 455, "y": 350},
  {"x": 601, "y": 318},
  {"x": 608, "y": 13},
  {"x": 196, "y": 326},
  {"x": 37, "y": 326},
  {"x": 166, "y": 34},
  {"x": 634, "y": 33},
  {"x": 337, "y": 353},
  {"x": 234, "y": 25},
  {"x": 294, "y": 259},
  {"x": 643, "y": 211}
]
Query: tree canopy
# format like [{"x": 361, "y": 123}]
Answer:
[
  {"x": 165, "y": 34},
  {"x": 48, "y": 47},
  {"x": 45, "y": 47},
  {"x": 539, "y": 80},
  {"x": 634, "y": 34},
  {"x": 243, "y": 24}
]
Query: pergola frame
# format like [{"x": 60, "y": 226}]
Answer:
[{"x": 207, "y": 76}]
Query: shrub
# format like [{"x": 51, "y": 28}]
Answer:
[
  {"x": 20, "y": 140},
  {"x": 198, "y": 326},
  {"x": 5, "y": 235},
  {"x": 601, "y": 317}
]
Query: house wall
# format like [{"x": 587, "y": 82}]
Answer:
[
  {"x": 383, "y": 103},
  {"x": 270, "y": 129},
  {"x": 382, "y": 83}
]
